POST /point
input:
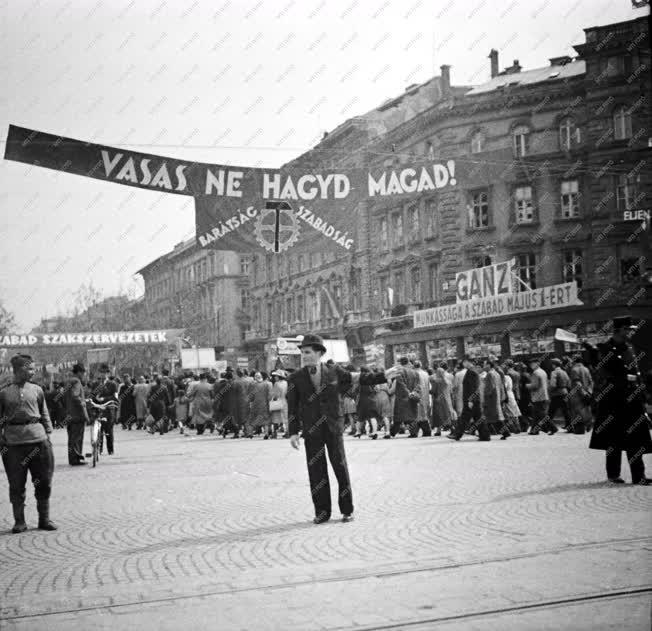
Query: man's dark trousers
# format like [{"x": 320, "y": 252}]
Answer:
[
  {"x": 464, "y": 420},
  {"x": 38, "y": 459},
  {"x": 560, "y": 401},
  {"x": 107, "y": 431},
  {"x": 636, "y": 464},
  {"x": 75, "y": 440},
  {"x": 318, "y": 439}
]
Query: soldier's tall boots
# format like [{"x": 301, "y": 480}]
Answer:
[
  {"x": 19, "y": 518},
  {"x": 44, "y": 523}
]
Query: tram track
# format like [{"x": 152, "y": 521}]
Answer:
[
  {"x": 373, "y": 573},
  {"x": 536, "y": 606}
]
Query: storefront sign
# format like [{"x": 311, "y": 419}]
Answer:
[
  {"x": 552, "y": 297},
  {"x": 483, "y": 282},
  {"x": 636, "y": 215},
  {"x": 117, "y": 338}
]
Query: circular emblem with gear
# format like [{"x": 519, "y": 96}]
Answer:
[{"x": 276, "y": 222}]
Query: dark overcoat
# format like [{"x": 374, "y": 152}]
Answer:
[
  {"x": 405, "y": 408},
  {"x": 308, "y": 408},
  {"x": 621, "y": 422}
]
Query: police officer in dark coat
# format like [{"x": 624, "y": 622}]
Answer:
[
  {"x": 314, "y": 407},
  {"x": 621, "y": 422}
]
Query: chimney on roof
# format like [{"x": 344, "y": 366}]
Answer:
[
  {"x": 445, "y": 81},
  {"x": 514, "y": 68},
  {"x": 560, "y": 61},
  {"x": 493, "y": 55}
]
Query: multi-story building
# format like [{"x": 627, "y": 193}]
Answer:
[
  {"x": 202, "y": 291},
  {"x": 548, "y": 161}
]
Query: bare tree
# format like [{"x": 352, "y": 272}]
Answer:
[{"x": 7, "y": 321}]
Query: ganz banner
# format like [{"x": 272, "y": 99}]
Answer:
[
  {"x": 241, "y": 208},
  {"x": 116, "y": 338},
  {"x": 552, "y": 297}
]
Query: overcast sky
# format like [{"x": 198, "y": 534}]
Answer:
[{"x": 224, "y": 81}]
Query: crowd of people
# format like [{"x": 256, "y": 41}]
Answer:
[{"x": 489, "y": 397}]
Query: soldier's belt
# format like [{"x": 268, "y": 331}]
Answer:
[{"x": 23, "y": 421}]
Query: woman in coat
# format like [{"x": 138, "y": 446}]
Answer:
[
  {"x": 201, "y": 397},
  {"x": 384, "y": 405},
  {"x": 510, "y": 409},
  {"x": 279, "y": 417},
  {"x": 261, "y": 395},
  {"x": 367, "y": 409},
  {"x": 443, "y": 413},
  {"x": 158, "y": 402},
  {"x": 141, "y": 392},
  {"x": 407, "y": 394}
]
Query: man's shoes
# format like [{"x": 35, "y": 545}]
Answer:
[
  {"x": 453, "y": 437},
  {"x": 484, "y": 440},
  {"x": 79, "y": 463},
  {"x": 386, "y": 437},
  {"x": 347, "y": 518},
  {"x": 643, "y": 482},
  {"x": 321, "y": 518},
  {"x": 374, "y": 436},
  {"x": 616, "y": 481},
  {"x": 438, "y": 432},
  {"x": 533, "y": 432}
]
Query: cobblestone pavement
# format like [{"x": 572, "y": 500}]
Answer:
[{"x": 179, "y": 530}]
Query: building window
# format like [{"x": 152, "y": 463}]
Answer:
[
  {"x": 432, "y": 148},
  {"x": 431, "y": 218},
  {"x": 523, "y": 206},
  {"x": 615, "y": 66},
  {"x": 625, "y": 192},
  {"x": 268, "y": 267},
  {"x": 384, "y": 239},
  {"x": 356, "y": 290},
  {"x": 481, "y": 260},
  {"x": 415, "y": 284},
  {"x": 383, "y": 288},
  {"x": 337, "y": 296},
  {"x": 399, "y": 288},
  {"x": 573, "y": 267},
  {"x": 301, "y": 308},
  {"x": 521, "y": 136},
  {"x": 415, "y": 223},
  {"x": 289, "y": 315},
  {"x": 313, "y": 315},
  {"x": 570, "y": 199},
  {"x": 630, "y": 268},
  {"x": 433, "y": 281},
  {"x": 245, "y": 265},
  {"x": 397, "y": 226},
  {"x": 622, "y": 123},
  {"x": 300, "y": 263},
  {"x": 569, "y": 134},
  {"x": 270, "y": 316},
  {"x": 477, "y": 142},
  {"x": 479, "y": 210},
  {"x": 526, "y": 272},
  {"x": 244, "y": 299}
]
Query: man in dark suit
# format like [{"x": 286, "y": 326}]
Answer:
[
  {"x": 76, "y": 415},
  {"x": 314, "y": 407},
  {"x": 471, "y": 403}
]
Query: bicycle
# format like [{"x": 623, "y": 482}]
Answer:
[{"x": 97, "y": 435}]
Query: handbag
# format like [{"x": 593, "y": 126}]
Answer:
[{"x": 275, "y": 405}]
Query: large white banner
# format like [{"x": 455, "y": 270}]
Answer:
[{"x": 552, "y": 297}]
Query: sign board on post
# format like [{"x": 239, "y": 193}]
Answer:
[
  {"x": 243, "y": 362},
  {"x": 197, "y": 358}
]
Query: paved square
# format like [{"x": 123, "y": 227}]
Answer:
[{"x": 182, "y": 531}]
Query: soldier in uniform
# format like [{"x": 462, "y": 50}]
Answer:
[
  {"x": 314, "y": 406},
  {"x": 25, "y": 429},
  {"x": 621, "y": 423}
]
